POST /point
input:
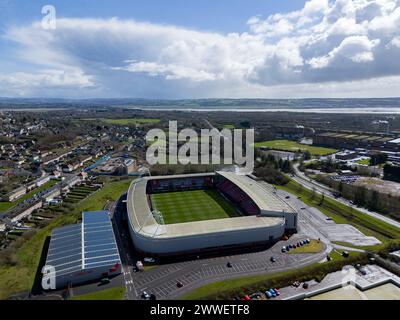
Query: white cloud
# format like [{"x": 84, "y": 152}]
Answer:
[{"x": 327, "y": 42}]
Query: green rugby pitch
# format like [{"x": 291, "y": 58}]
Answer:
[{"x": 189, "y": 206}]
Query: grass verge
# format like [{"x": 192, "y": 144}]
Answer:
[
  {"x": 314, "y": 246},
  {"x": 108, "y": 294}
]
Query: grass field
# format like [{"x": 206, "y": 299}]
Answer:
[
  {"x": 187, "y": 206},
  {"x": 108, "y": 294},
  {"x": 126, "y": 122},
  {"x": 313, "y": 247},
  {"x": 287, "y": 145},
  {"x": 364, "y": 161},
  {"x": 4, "y": 206},
  {"x": 20, "y": 277}
]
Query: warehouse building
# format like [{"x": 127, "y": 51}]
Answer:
[{"x": 84, "y": 252}]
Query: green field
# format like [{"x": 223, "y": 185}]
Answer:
[
  {"x": 187, "y": 206},
  {"x": 108, "y": 294},
  {"x": 126, "y": 122},
  {"x": 293, "y": 146},
  {"x": 4, "y": 206},
  {"x": 313, "y": 247},
  {"x": 364, "y": 161}
]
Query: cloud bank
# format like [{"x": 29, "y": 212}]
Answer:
[{"x": 328, "y": 48}]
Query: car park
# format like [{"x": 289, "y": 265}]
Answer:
[
  {"x": 273, "y": 293},
  {"x": 153, "y": 297}
]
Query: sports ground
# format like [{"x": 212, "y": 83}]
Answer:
[
  {"x": 293, "y": 146},
  {"x": 188, "y": 206}
]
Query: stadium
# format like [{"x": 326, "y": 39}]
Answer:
[{"x": 171, "y": 215}]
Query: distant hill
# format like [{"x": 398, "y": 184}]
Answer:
[{"x": 11, "y": 103}]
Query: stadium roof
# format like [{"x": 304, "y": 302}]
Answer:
[
  {"x": 87, "y": 245},
  {"x": 142, "y": 219},
  {"x": 262, "y": 195}
]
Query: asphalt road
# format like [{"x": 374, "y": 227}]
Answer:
[{"x": 310, "y": 184}]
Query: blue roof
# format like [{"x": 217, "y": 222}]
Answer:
[{"x": 83, "y": 246}]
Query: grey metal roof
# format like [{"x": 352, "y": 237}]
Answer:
[{"x": 83, "y": 246}]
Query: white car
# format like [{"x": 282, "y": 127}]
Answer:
[{"x": 149, "y": 260}]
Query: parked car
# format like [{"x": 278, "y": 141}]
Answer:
[
  {"x": 105, "y": 281},
  {"x": 145, "y": 295},
  {"x": 149, "y": 260},
  {"x": 283, "y": 250},
  {"x": 246, "y": 297},
  {"x": 277, "y": 292},
  {"x": 179, "y": 284},
  {"x": 268, "y": 294},
  {"x": 229, "y": 265},
  {"x": 273, "y": 293},
  {"x": 272, "y": 259}
]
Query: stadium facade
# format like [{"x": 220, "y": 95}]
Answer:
[{"x": 264, "y": 217}]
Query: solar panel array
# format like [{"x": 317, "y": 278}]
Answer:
[
  {"x": 65, "y": 250},
  {"x": 87, "y": 245},
  {"x": 99, "y": 246}
]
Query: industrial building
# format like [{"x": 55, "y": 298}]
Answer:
[
  {"x": 352, "y": 140},
  {"x": 84, "y": 252},
  {"x": 265, "y": 217}
]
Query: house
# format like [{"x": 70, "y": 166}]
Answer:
[{"x": 15, "y": 194}]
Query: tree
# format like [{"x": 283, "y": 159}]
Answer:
[
  {"x": 307, "y": 155},
  {"x": 322, "y": 199},
  {"x": 360, "y": 196},
  {"x": 374, "y": 202},
  {"x": 340, "y": 187}
]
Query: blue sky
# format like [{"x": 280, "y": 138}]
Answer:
[
  {"x": 220, "y": 15},
  {"x": 200, "y": 49}
]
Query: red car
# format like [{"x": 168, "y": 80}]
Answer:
[{"x": 246, "y": 297}]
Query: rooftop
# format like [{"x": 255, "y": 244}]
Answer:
[{"x": 82, "y": 246}]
